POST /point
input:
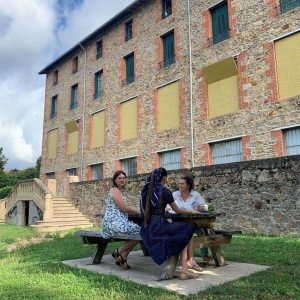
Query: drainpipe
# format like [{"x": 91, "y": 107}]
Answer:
[
  {"x": 83, "y": 115},
  {"x": 191, "y": 83}
]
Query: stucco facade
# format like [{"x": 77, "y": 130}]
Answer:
[{"x": 254, "y": 28}]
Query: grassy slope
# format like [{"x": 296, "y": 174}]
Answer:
[{"x": 36, "y": 271}]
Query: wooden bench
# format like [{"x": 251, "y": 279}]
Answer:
[{"x": 102, "y": 239}]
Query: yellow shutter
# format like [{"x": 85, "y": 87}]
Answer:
[
  {"x": 288, "y": 66},
  {"x": 73, "y": 142},
  {"x": 168, "y": 106},
  {"x": 98, "y": 124},
  {"x": 52, "y": 144},
  {"x": 223, "y": 97},
  {"x": 129, "y": 119}
]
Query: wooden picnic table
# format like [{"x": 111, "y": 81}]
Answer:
[{"x": 213, "y": 238}]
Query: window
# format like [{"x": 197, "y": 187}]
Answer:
[
  {"x": 74, "y": 96},
  {"x": 129, "y": 166},
  {"x": 53, "y": 107},
  {"x": 71, "y": 172},
  {"x": 170, "y": 160},
  {"x": 129, "y": 60},
  {"x": 220, "y": 23},
  {"x": 166, "y": 8},
  {"x": 97, "y": 171},
  {"x": 99, "y": 49},
  {"x": 55, "y": 77},
  {"x": 169, "y": 51},
  {"x": 286, "y": 5},
  {"x": 75, "y": 64},
  {"x": 98, "y": 85},
  {"x": 287, "y": 60},
  {"x": 50, "y": 175},
  {"x": 292, "y": 141},
  {"x": 128, "y": 30},
  {"x": 226, "y": 152},
  {"x": 52, "y": 143},
  {"x": 129, "y": 119}
]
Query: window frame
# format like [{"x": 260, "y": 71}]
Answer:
[
  {"x": 55, "y": 77},
  {"x": 97, "y": 173},
  {"x": 129, "y": 69},
  {"x": 216, "y": 159},
  {"x": 162, "y": 156},
  {"x": 288, "y": 143},
  {"x": 50, "y": 175},
  {"x": 128, "y": 30},
  {"x": 99, "y": 49},
  {"x": 74, "y": 96},
  {"x": 287, "y": 5},
  {"x": 73, "y": 170},
  {"x": 129, "y": 165},
  {"x": 75, "y": 65},
  {"x": 98, "y": 92},
  {"x": 220, "y": 10},
  {"x": 168, "y": 42},
  {"x": 166, "y": 8},
  {"x": 53, "y": 113}
]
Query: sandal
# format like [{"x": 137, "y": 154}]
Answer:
[
  {"x": 206, "y": 258},
  {"x": 121, "y": 263},
  {"x": 188, "y": 275},
  {"x": 194, "y": 266}
]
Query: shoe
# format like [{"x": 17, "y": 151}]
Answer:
[
  {"x": 194, "y": 266},
  {"x": 188, "y": 275},
  {"x": 121, "y": 263},
  {"x": 207, "y": 258}
]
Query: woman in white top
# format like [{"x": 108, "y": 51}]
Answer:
[{"x": 187, "y": 198}]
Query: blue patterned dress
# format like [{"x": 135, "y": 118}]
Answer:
[
  {"x": 161, "y": 238},
  {"x": 115, "y": 221}
]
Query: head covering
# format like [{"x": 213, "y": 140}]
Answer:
[{"x": 154, "y": 198}]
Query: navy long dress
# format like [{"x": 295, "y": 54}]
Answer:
[{"x": 162, "y": 238}]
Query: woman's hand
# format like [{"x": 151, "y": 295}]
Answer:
[{"x": 194, "y": 211}]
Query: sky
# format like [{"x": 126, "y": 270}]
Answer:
[{"x": 33, "y": 33}]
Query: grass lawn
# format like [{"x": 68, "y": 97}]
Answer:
[{"x": 35, "y": 272}]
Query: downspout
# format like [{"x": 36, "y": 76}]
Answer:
[
  {"x": 191, "y": 84},
  {"x": 83, "y": 115}
]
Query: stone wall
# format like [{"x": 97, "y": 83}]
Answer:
[{"x": 259, "y": 196}]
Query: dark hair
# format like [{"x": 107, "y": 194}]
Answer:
[
  {"x": 189, "y": 181},
  {"x": 163, "y": 172},
  {"x": 117, "y": 173}
]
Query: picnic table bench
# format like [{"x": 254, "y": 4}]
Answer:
[{"x": 213, "y": 238}]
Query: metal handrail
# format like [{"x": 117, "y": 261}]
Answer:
[
  {"x": 166, "y": 12},
  {"x": 53, "y": 115},
  {"x": 166, "y": 63},
  {"x": 73, "y": 105},
  {"x": 127, "y": 81},
  {"x": 219, "y": 38},
  {"x": 288, "y": 5},
  {"x": 98, "y": 95}
]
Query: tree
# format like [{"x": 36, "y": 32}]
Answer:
[{"x": 3, "y": 160}]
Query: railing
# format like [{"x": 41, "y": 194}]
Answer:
[
  {"x": 73, "y": 105},
  {"x": 75, "y": 70},
  {"x": 128, "y": 36},
  {"x": 98, "y": 95},
  {"x": 55, "y": 82},
  {"x": 99, "y": 54},
  {"x": 166, "y": 63},
  {"x": 288, "y": 5},
  {"x": 219, "y": 38},
  {"x": 166, "y": 12},
  {"x": 32, "y": 189},
  {"x": 127, "y": 81}
]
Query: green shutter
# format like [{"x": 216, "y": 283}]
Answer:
[
  {"x": 130, "y": 68},
  {"x": 96, "y": 83},
  {"x": 53, "y": 106},
  {"x": 169, "y": 52},
  {"x": 220, "y": 23}
]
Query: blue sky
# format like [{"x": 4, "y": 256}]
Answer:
[{"x": 33, "y": 33}]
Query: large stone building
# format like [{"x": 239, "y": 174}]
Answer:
[{"x": 175, "y": 83}]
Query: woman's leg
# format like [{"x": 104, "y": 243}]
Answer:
[{"x": 185, "y": 273}]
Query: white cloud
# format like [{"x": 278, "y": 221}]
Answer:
[{"x": 33, "y": 33}]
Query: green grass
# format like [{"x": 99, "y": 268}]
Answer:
[{"x": 35, "y": 271}]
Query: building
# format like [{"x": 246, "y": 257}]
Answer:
[{"x": 175, "y": 83}]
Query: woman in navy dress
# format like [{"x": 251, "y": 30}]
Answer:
[{"x": 162, "y": 238}]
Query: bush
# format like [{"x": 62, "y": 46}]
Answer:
[{"x": 5, "y": 191}]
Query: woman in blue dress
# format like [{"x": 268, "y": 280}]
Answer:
[
  {"x": 115, "y": 220},
  {"x": 162, "y": 238}
]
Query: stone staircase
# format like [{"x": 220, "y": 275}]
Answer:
[{"x": 65, "y": 216}]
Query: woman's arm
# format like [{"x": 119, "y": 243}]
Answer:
[
  {"x": 182, "y": 211},
  {"x": 116, "y": 195}
]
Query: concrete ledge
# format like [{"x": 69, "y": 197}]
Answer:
[{"x": 145, "y": 271}]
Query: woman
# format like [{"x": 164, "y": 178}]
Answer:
[
  {"x": 187, "y": 198},
  {"x": 161, "y": 238},
  {"x": 115, "y": 220}
]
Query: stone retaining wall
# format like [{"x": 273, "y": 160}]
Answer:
[{"x": 259, "y": 196}]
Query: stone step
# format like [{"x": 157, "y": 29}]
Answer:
[
  {"x": 69, "y": 218},
  {"x": 59, "y": 227}
]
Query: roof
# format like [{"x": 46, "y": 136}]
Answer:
[{"x": 121, "y": 15}]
